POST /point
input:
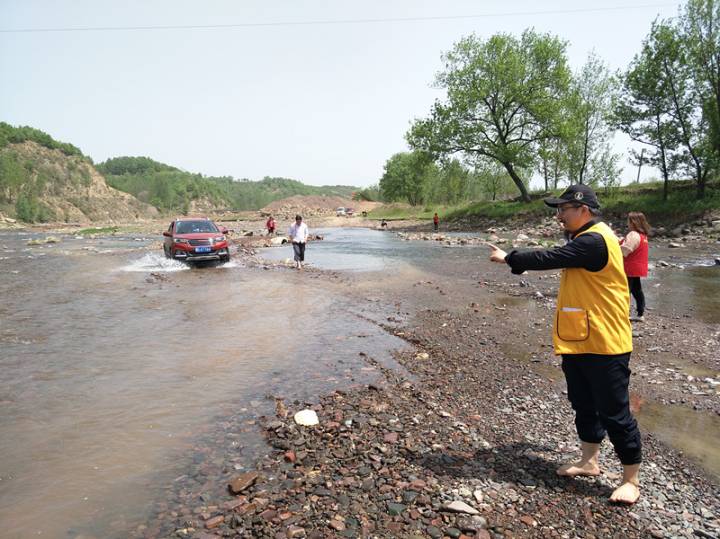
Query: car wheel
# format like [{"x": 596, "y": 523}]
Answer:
[
  {"x": 225, "y": 259},
  {"x": 167, "y": 254}
]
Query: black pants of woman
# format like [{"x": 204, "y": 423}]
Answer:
[{"x": 637, "y": 292}]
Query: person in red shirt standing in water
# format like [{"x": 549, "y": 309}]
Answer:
[
  {"x": 270, "y": 225},
  {"x": 436, "y": 222},
  {"x": 635, "y": 252}
]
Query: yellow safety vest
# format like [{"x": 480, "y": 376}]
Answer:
[{"x": 593, "y": 308}]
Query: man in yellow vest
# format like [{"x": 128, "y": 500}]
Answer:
[{"x": 592, "y": 333}]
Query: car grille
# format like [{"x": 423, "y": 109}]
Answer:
[{"x": 200, "y": 242}]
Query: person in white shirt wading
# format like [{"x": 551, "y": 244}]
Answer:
[{"x": 298, "y": 236}]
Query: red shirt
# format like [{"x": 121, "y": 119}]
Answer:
[{"x": 636, "y": 263}]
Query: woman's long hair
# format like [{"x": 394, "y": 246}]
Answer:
[{"x": 638, "y": 222}]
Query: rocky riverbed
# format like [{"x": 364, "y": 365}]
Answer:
[{"x": 464, "y": 440}]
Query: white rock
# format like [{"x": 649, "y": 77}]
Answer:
[
  {"x": 306, "y": 418},
  {"x": 460, "y": 507},
  {"x": 465, "y": 492}
]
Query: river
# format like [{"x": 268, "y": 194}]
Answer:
[{"x": 114, "y": 360}]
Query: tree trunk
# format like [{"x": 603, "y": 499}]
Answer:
[
  {"x": 518, "y": 182},
  {"x": 701, "y": 186}
]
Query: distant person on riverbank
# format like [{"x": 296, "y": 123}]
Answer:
[
  {"x": 635, "y": 250},
  {"x": 383, "y": 224},
  {"x": 298, "y": 236},
  {"x": 592, "y": 333},
  {"x": 270, "y": 225},
  {"x": 436, "y": 222}
]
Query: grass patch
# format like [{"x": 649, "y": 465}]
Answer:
[
  {"x": 397, "y": 212},
  {"x": 680, "y": 207},
  {"x": 98, "y": 230}
]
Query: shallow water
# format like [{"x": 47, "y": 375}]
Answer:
[
  {"x": 695, "y": 433},
  {"x": 693, "y": 290},
  {"x": 112, "y": 364},
  {"x": 362, "y": 249}
]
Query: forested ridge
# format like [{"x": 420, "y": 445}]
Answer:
[
  {"x": 42, "y": 179},
  {"x": 171, "y": 189}
]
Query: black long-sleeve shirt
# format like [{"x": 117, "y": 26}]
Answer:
[{"x": 587, "y": 251}]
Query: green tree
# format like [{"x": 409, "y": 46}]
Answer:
[
  {"x": 587, "y": 129},
  {"x": 642, "y": 111},
  {"x": 26, "y": 207},
  {"x": 454, "y": 179},
  {"x": 700, "y": 27},
  {"x": 684, "y": 107},
  {"x": 504, "y": 97},
  {"x": 405, "y": 177},
  {"x": 493, "y": 180}
]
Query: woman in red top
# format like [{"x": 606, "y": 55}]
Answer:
[
  {"x": 270, "y": 225},
  {"x": 635, "y": 250}
]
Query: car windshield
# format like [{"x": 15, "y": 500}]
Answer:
[{"x": 194, "y": 227}]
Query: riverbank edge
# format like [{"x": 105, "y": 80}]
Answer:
[{"x": 358, "y": 474}]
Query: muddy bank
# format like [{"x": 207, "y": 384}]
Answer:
[{"x": 479, "y": 416}]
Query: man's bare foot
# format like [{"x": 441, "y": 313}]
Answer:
[
  {"x": 574, "y": 469},
  {"x": 588, "y": 464},
  {"x": 627, "y": 493},
  {"x": 629, "y": 490}
]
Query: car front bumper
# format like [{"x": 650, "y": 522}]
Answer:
[{"x": 199, "y": 257}]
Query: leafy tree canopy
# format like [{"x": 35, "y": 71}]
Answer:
[{"x": 504, "y": 96}]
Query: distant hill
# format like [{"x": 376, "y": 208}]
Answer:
[
  {"x": 43, "y": 180},
  {"x": 173, "y": 190}
]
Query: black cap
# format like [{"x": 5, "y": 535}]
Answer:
[{"x": 580, "y": 194}]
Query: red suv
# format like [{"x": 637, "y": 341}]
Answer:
[{"x": 196, "y": 239}]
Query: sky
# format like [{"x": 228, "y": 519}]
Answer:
[{"x": 316, "y": 90}]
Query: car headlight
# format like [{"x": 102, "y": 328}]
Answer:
[{"x": 181, "y": 240}]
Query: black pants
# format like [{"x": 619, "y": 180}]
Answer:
[
  {"x": 598, "y": 391},
  {"x": 299, "y": 250},
  {"x": 637, "y": 292}
]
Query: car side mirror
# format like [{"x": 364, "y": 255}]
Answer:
[
  {"x": 167, "y": 234},
  {"x": 224, "y": 230}
]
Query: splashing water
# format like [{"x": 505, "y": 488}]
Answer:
[{"x": 155, "y": 262}]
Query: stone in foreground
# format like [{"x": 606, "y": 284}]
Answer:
[
  {"x": 306, "y": 418},
  {"x": 243, "y": 481},
  {"x": 460, "y": 507}
]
